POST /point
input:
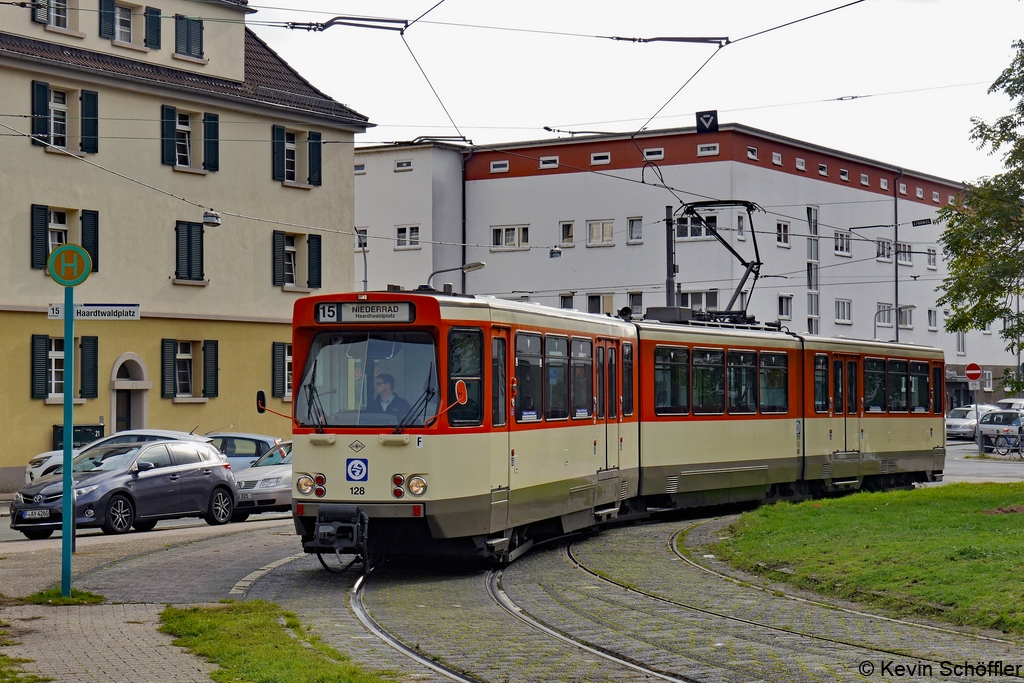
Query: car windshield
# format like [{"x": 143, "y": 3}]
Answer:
[
  {"x": 961, "y": 413},
  {"x": 279, "y": 455},
  {"x": 368, "y": 379},
  {"x": 105, "y": 459}
]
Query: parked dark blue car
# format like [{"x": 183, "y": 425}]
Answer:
[{"x": 122, "y": 486}]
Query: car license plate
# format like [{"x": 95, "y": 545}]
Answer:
[
  {"x": 35, "y": 514},
  {"x": 244, "y": 496}
]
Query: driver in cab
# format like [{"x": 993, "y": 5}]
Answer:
[{"x": 386, "y": 400}]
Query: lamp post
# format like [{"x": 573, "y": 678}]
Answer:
[
  {"x": 465, "y": 268},
  {"x": 880, "y": 311}
]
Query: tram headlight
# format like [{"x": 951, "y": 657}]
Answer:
[
  {"x": 417, "y": 485},
  {"x": 305, "y": 484}
]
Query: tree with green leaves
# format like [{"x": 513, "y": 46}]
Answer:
[{"x": 984, "y": 236}]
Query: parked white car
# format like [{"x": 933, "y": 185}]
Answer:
[
  {"x": 1010, "y": 404},
  {"x": 999, "y": 422},
  {"x": 267, "y": 485},
  {"x": 962, "y": 422},
  {"x": 46, "y": 463}
]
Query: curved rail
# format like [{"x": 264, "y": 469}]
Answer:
[
  {"x": 376, "y": 629},
  {"x": 498, "y": 595}
]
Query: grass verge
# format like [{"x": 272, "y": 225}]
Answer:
[
  {"x": 954, "y": 553},
  {"x": 11, "y": 670},
  {"x": 259, "y": 642},
  {"x": 53, "y": 596}
]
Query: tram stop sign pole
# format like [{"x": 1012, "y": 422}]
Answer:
[{"x": 69, "y": 266}]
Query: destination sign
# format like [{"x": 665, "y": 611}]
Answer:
[{"x": 365, "y": 312}]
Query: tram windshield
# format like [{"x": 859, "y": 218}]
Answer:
[{"x": 368, "y": 379}]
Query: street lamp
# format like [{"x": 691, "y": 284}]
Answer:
[
  {"x": 465, "y": 268},
  {"x": 886, "y": 310}
]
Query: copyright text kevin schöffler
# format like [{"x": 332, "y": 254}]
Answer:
[{"x": 889, "y": 668}]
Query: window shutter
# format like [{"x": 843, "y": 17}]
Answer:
[
  {"x": 41, "y": 12},
  {"x": 210, "y": 383},
  {"x": 90, "y": 122},
  {"x": 279, "y": 258},
  {"x": 41, "y": 112},
  {"x": 180, "y": 34},
  {"x": 90, "y": 364},
  {"x": 195, "y": 37},
  {"x": 277, "y": 371},
  {"x": 40, "y": 227},
  {"x": 168, "y": 121},
  {"x": 195, "y": 251},
  {"x": 152, "y": 15},
  {"x": 211, "y": 142},
  {"x": 106, "y": 18},
  {"x": 313, "y": 241},
  {"x": 40, "y": 364},
  {"x": 91, "y": 237},
  {"x": 168, "y": 350},
  {"x": 315, "y": 154},
  {"x": 181, "y": 250},
  {"x": 278, "y": 165}
]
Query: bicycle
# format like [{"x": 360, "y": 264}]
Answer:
[{"x": 1007, "y": 443}]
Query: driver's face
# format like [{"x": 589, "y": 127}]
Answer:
[{"x": 383, "y": 390}]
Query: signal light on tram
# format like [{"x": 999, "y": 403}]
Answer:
[
  {"x": 398, "y": 480},
  {"x": 320, "y": 492},
  {"x": 320, "y": 480},
  {"x": 398, "y": 492}
]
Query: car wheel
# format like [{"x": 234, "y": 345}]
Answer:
[
  {"x": 120, "y": 516},
  {"x": 239, "y": 516},
  {"x": 37, "y": 534},
  {"x": 220, "y": 509},
  {"x": 148, "y": 525}
]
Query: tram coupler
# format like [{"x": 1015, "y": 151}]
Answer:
[{"x": 339, "y": 529}]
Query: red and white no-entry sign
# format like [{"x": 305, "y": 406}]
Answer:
[{"x": 973, "y": 372}]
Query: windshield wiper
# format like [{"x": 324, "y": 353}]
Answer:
[
  {"x": 313, "y": 404},
  {"x": 421, "y": 403}
]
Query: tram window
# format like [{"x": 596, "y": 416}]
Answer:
[
  {"x": 613, "y": 394},
  {"x": 498, "y": 396},
  {"x": 465, "y": 362},
  {"x": 708, "y": 382},
  {"x": 529, "y": 394},
  {"x": 627, "y": 379},
  {"x": 742, "y": 382},
  {"x": 874, "y": 385},
  {"x": 671, "y": 380},
  {"x": 897, "y": 385},
  {"x": 600, "y": 382},
  {"x": 774, "y": 383},
  {"x": 919, "y": 387},
  {"x": 937, "y": 403},
  {"x": 837, "y": 386},
  {"x": 821, "y": 384},
  {"x": 556, "y": 359},
  {"x": 582, "y": 377},
  {"x": 851, "y": 387}
]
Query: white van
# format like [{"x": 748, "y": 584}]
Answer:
[{"x": 1010, "y": 403}]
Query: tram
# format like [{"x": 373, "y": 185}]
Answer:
[{"x": 427, "y": 422}]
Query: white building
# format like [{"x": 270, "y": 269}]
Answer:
[{"x": 833, "y": 263}]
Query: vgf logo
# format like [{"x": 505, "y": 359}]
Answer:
[{"x": 357, "y": 469}]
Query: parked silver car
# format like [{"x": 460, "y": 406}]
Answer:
[
  {"x": 962, "y": 422},
  {"x": 267, "y": 485},
  {"x": 241, "y": 449},
  {"x": 999, "y": 422}
]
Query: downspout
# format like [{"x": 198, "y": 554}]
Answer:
[
  {"x": 895, "y": 247},
  {"x": 464, "y": 256}
]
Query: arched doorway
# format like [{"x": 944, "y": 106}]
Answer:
[{"x": 129, "y": 393}]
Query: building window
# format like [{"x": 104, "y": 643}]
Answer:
[
  {"x": 636, "y": 302},
  {"x": 935, "y": 196},
  {"x": 360, "y": 169},
  {"x": 903, "y": 255},
  {"x": 950, "y": 199},
  {"x": 812, "y": 277},
  {"x": 883, "y": 183},
  {"x": 183, "y": 369},
  {"x": 691, "y": 226},
  {"x": 785, "y": 306},
  {"x": 290, "y": 156},
  {"x": 594, "y": 303},
  {"x": 600, "y": 158},
  {"x": 777, "y": 158},
  {"x": 842, "y": 244},
  {"x": 708, "y": 150},
  {"x": 58, "y": 13},
  {"x": 865, "y": 180},
  {"x": 636, "y": 228},
  {"x": 813, "y": 325},
  {"x": 288, "y": 370},
  {"x": 57, "y": 232},
  {"x": 782, "y": 234},
  {"x": 883, "y": 250},
  {"x": 844, "y": 175},
  {"x": 500, "y": 166},
  {"x": 903, "y": 188},
  {"x": 188, "y": 251},
  {"x": 741, "y": 227},
  {"x": 600, "y": 232},
  {"x": 59, "y": 118},
  {"x": 920, "y": 193},
  {"x": 361, "y": 238},
  {"x": 933, "y": 320},
  {"x": 290, "y": 261},
  {"x": 933, "y": 258},
  {"x": 801, "y": 165},
  {"x": 987, "y": 328},
  {"x": 188, "y": 36},
  {"x": 823, "y": 169},
  {"x": 752, "y": 153},
  {"x": 654, "y": 154},
  {"x": 183, "y": 140},
  {"x": 844, "y": 312},
  {"x": 906, "y": 318},
  {"x": 565, "y": 228},
  {"x": 510, "y": 236},
  {"x": 123, "y": 24},
  {"x": 565, "y": 302},
  {"x": 407, "y": 236},
  {"x": 545, "y": 162},
  {"x": 55, "y": 367},
  {"x": 961, "y": 344},
  {"x": 986, "y": 380},
  {"x": 403, "y": 165},
  {"x": 883, "y": 314}
]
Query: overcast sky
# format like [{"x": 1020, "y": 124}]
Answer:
[{"x": 926, "y": 65}]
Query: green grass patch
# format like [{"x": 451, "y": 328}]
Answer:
[
  {"x": 954, "y": 552},
  {"x": 53, "y": 596},
  {"x": 11, "y": 669},
  {"x": 258, "y": 642}
]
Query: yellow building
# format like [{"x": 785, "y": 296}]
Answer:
[{"x": 121, "y": 126}]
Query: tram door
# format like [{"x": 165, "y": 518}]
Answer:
[
  {"x": 607, "y": 408},
  {"x": 500, "y": 419},
  {"x": 845, "y": 417}
]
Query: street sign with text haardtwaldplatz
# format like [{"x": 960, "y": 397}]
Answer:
[{"x": 97, "y": 312}]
